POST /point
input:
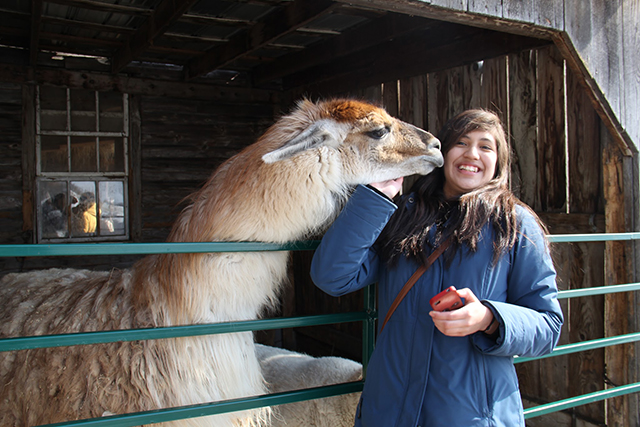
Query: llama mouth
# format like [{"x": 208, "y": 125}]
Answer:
[{"x": 435, "y": 160}]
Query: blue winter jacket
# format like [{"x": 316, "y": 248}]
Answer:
[{"x": 417, "y": 376}]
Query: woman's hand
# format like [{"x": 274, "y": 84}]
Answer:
[
  {"x": 471, "y": 318},
  {"x": 389, "y": 188}
]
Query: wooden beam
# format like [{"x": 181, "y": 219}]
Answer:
[
  {"x": 74, "y": 23},
  {"x": 132, "y": 85},
  {"x": 36, "y": 19},
  {"x": 164, "y": 15},
  {"x": 364, "y": 36},
  {"x": 451, "y": 14},
  {"x": 104, "y": 7},
  {"x": 280, "y": 22},
  {"x": 418, "y": 53}
]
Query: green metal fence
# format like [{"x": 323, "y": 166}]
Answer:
[{"x": 368, "y": 316}]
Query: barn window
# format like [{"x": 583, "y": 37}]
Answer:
[{"x": 82, "y": 140}]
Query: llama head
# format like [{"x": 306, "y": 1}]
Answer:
[
  {"x": 371, "y": 145},
  {"x": 294, "y": 180}
]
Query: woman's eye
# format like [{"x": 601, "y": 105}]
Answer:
[{"x": 378, "y": 133}]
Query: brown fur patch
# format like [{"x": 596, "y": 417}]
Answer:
[{"x": 349, "y": 110}]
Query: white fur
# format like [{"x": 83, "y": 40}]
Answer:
[{"x": 287, "y": 371}]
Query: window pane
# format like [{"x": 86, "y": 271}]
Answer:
[
  {"x": 83, "y": 154},
  {"x": 112, "y": 208},
  {"x": 54, "y": 209},
  {"x": 83, "y": 208},
  {"x": 83, "y": 110},
  {"x": 53, "y": 108},
  {"x": 111, "y": 112},
  {"x": 54, "y": 154},
  {"x": 111, "y": 154}
]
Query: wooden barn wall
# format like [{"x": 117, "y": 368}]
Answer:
[
  {"x": 600, "y": 37},
  {"x": 11, "y": 162},
  {"x": 556, "y": 141},
  {"x": 181, "y": 142}
]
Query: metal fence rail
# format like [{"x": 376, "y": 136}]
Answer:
[{"x": 368, "y": 317}]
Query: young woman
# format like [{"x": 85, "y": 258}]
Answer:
[{"x": 452, "y": 368}]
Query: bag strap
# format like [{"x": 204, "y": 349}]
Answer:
[{"x": 414, "y": 278}]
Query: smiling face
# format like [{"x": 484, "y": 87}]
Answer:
[{"x": 470, "y": 163}]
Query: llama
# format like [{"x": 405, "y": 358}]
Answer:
[
  {"x": 290, "y": 183},
  {"x": 286, "y": 370}
]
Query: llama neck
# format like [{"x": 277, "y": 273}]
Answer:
[
  {"x": 208, "y": 288},
  {"x": 280, "y": 202}
]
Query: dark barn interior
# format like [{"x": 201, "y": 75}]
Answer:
[{"x": 167, "y": 90}]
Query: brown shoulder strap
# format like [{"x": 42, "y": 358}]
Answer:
[{"x": 414, "y": 278}]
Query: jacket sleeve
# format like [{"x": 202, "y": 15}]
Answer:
[
  {"x": 531, "y": 318},
  {"x": 345, "y": 260}
]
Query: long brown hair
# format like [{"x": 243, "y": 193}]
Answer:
[{"x": 408, "y": 229}]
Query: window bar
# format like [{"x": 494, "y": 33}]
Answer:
[{"x": 68, "y": 130}]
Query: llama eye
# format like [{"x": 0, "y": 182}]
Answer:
[{"x": 379, "y": 133}]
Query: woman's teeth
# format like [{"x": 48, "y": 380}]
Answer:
[{"x": 468, "y": 168}]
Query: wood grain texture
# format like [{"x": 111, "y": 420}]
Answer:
[
  {"x": 620, "y": 309},
  {"x": 551, "y": 131}
]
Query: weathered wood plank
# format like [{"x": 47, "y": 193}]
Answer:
[
  {"x": 548, "y": 13},
  {"x": 593, "y": 44},
  {"x": 495, "y": 93},
  {"x": 553, "y": 373},
  {"x": 135, "y": 163},
  {"x": 390, "y": 97},
  {"x": 594, "y": 27},
  {"x": 445, "y": 98},
  {"x": 630, "y": 11},
  {"x": 584, "y": 322},
  {"x": 583, "y": 140},
  {"x": 551, "y": 131},
  {"x": 413, "y": 109},
  {"x": 413, "y": 98},
  {"x": 28, "y": 160},
  {"x": 523, "y": 124},
  {"x": 620, "y": 309},
  {"x": 36, "y": 23},
  {"x": 519, "y": 10},
  {"x": 457, "y": 11},
  {"x": 486, "y": 7},
  {"x": 472, "y": 75},
  {"x": 460, "y": 5}
]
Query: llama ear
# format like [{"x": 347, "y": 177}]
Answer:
[{"x": 322, "y": 132}]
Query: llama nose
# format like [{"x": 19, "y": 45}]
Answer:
[{"x": 434, "y": 144}]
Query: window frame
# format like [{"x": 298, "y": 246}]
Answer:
[{"x": 69, "y": 176}]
